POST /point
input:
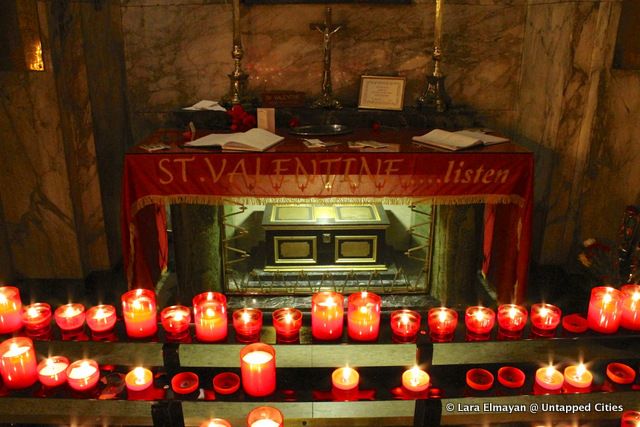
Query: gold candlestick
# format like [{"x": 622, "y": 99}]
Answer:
[
  {"x": 238, "y": 78},
  {"x": 435, "y": 96}
]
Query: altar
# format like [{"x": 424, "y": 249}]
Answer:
[{"x": 499, "y": 176}]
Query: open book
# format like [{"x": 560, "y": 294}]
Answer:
[
  {"x": 255, "y": 139},
  {"x": 460, "y": 140}
]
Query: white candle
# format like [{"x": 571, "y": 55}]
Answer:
[
  {"x": 257, "y": 357},
  {"x": 265, "y": 423},
  {"x": 15, "y": 350},
  {"x": 437, "y": 36},
  {"x": 83, "y": 371},
  {"x": 52, "y": 368}
]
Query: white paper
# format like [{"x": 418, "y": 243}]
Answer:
[
  {"x": 255, "y": 139},
  {"x": 484, "y": 137},
  {"x": 447, "y": 140},
  {"x": 206, "y": 104}
]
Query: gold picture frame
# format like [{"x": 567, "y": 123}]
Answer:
[{"x": 382, "y": 92}]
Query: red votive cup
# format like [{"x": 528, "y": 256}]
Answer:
[
  {"x": 575, "y": 323},
  {"x": 287, "y": 323},
  {"x": 210, "y": 316},
  {"x": 511, "y": 377},
  {"x": 479, "y": 379},
  {"x": 442, "y": 324},
  {"x": 578, "y": 376},
  {"x": 265, "y": 416},
  {"x": 549, "y": 378},
  {"x": 52, "y": 372},
  {"x": 18, "y": 363},
  {"x": 10, "y": 307},
  {"x": 185, "y": 383},
  {"x": 479, "y": 322},
  {"x": 630, "y": 307},
  {"x": 345, "y": 378},
  {"x": 101, "y": 318},
  {"x": 620, "y": 373},
  {"x": 139, "y": 312},
  {"x": 36, "y": 317},
  {"x": 226, "y": 383},
  {"x": 363, "y": 316},
  {"x": 415, "y": 380},
  {"x": 175, "y": 320},
  {"x": 248, "y": 323},
  {"x": 70, "y": 317},
  {"x": 544, "y": 319},
  {"x": 327, "y": 312},
  {"x": 630, "y": 419},
  {"x": 258, "y": 369},
  {"x": 405, "y": 325},
  {"x": 83, "y": 374},
  {"x": 138, "y": 379},
  {"x": 512, "y": 319},
  {"x": 604, "y": 310},
  {"x": 215, "y": 422}
]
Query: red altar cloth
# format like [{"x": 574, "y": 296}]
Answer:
[{"x": 500, "y": 176}]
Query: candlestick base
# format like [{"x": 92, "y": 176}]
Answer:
[{"x": 434, "y": 97}]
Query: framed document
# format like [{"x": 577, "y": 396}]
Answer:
[{"x": 381, "y": 92}]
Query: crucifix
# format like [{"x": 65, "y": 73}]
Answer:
[{"x": 326, "y": 99}]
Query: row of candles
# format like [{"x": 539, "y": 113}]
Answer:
[{"x": 609, "y": 309}]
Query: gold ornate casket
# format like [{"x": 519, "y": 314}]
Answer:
[{"x": 339, "y": 237}]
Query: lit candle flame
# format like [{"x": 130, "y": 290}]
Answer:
[
  {"x": 136, "y": 304},
  {"x": 544, "y": 312},
  {"x": 70, "y": 311},
  {"x": 178, "y": 316},
  {"x": 346, "y": 373},
  {"x": 209, "y": 312},
  {"x": 139, "y": 374},
  {"x": 549, "y": 372},
  {"x": 479, "y": 315},
  {"x": 404, "y": 319},
  {"x": 32, "y": 312},
  {"x": 3, "y": 299},
  {"x": 636, "y": 296},
  {"x": 364, "y": 310},
  {"x": 288, "y": 318},
  {"x": 246, "y": 317},
  {"x": 580, "y": 371},
  {"x": 513, "y": 312},
  {"x": 100, "y": 314},
  {"x": 415, "y": 376},
  {"x": 364, "y": 294},
  {"x": 442, "y": 316},
  {"x": 606, "y": 299}
]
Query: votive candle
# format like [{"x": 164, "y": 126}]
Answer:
[
  {"x": 549, "y": 378},
  {"x": 287, "y": 323},
  {"x": 630, "y": 307},
  {"x": 247, "y": 323},
  {"x": 18, "y": 363},
  {"x": 621, "y": 373},
  {"x": 345, "y": 378},
  {"x": 604, "y": 309},
  {"x": 265, "y": 416},
  {"x": 258, "y": 369},
  {"x": 578, "y": 376},
  {"x": 442, "y": 323},
  {"x": 83, "y": 374},
  {"x": 512, "y": 318},
  {"x": 363, "y": 316},
  {"x": 479, "y": 321},
  {"x": 630, "y": 419},
  {"x": 327, "y": 313},
  {"x": 10, "y": 306},
  {"x": 479, "y": 379},
  {"x": 405, "y": 325},
  {"x": 70, "y": 317},
  {"x": 101, "y": 318},
  {"x": 138, "y": 379},
  {"x": 545, "y": 319},
  {"x": 139, "y": 312},
  {"x": 175, "y": 320},
  {"x": 210, "y": 316},
  {"x": 52, "y": 372},
  {"x": 215, "y": 422},
  {"x": 36, "y": 317},
  {"x": 415, "y": 379}
]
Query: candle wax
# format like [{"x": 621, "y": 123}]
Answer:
[{"x": 265, "y": 423}]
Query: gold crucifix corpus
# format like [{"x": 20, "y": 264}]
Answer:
[{"x": 326, "y": 100}]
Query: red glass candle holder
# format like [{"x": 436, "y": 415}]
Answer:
[
  {"x": 544, "y": 319},
  {"x": 630, "y": 307},
  {"x": 185, "y": 383},
  {"x": 138, "y": 379},
  {"x": 247, "y": 323},
  {"x": 479, "y": 379},
  {"x": 139, "y": 312},
  {"x": 265, "y": 416},
  {"x": 10, "y": 308},
  {"x": 415, "y": 380},
  {"x": 287, "y": 323},
  {"x": 549, "y": 378},
  {"x": 512, "y": 319},
  {"x": 630, "y": 419},
  {"x": 36, "y": 317},
  {"x": 175, "y": 320},
  {"x": 52, "y": 372},
  {"x": 83, "y": 375},
  {"x": 405, "y": 325},
  {"x": 604, "y": 310},
  {"x": 363, "y": 316},
  {"x": 327, "y": 313},
  {"x": 258, "y": 369},
  {"x": 575, "y": 324},
  {"x": 18, "y": 363},
  {"x": 620, "y": 373},
  {"x": 215, "y": 422},
  {"x": 511, "y": 377},
  {"x": 226, "y": 383},
  {"x": 578, "y": 376},
  {"x": 101, "y": 318},
  {"x": 70, "y": 317},
  {"x": 479, "y": 322},
  {"x": 210, "y": 316},
  {"x": 442, "y": 324},
  {"x": 345, "y": 378}
]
